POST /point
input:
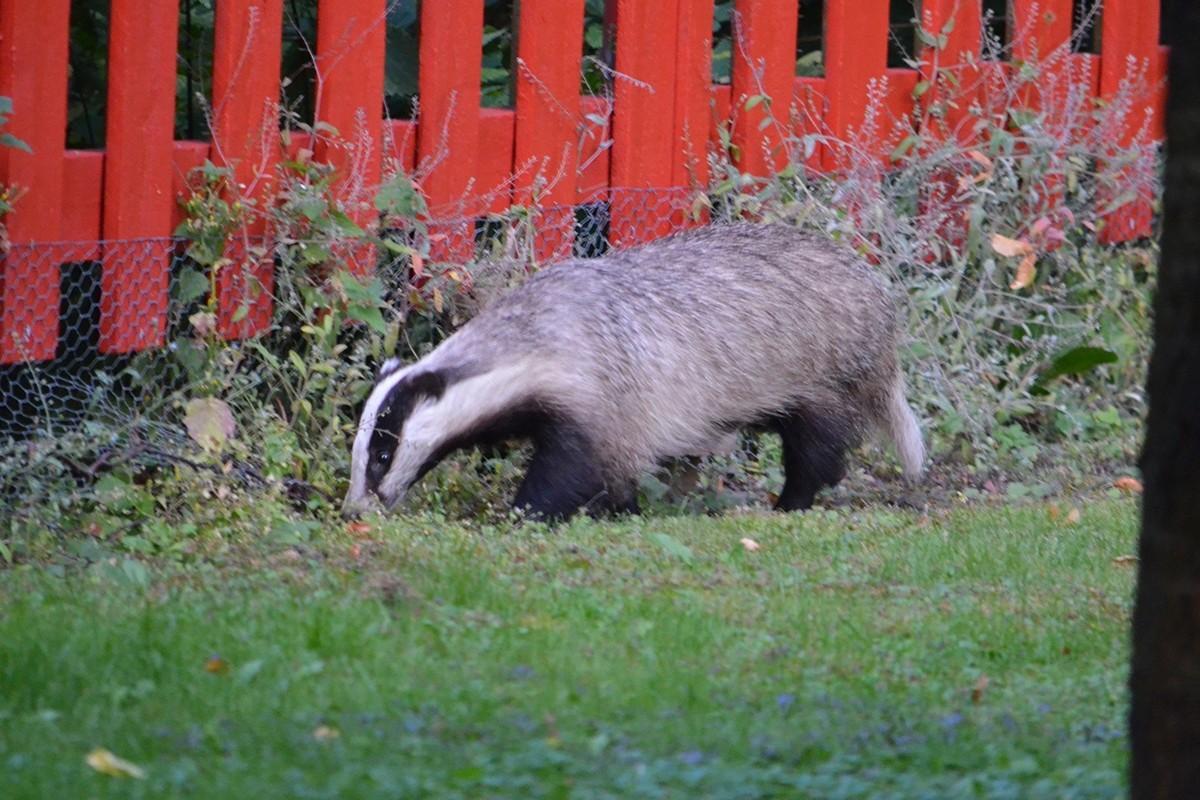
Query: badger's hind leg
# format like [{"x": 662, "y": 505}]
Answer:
[
  {"x": 565, "y": 476},
  {"x": 814, "y": 455}
]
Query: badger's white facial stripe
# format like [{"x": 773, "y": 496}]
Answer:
[
  {"x": 460, "y": 409},
  {"x": 357, "y": 498}
]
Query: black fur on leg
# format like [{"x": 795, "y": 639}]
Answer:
[
  {"x": 563, "y": 475},
  {"x": 814, "y": 448}
]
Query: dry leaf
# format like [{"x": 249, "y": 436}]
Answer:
[
  {"x": 358, "y": 528},
  {"x": 209, "y": 422},
  {"x": 1125, "y": 561},
  {"x": 1073, "y": 516},
  {"x": 980, "y": 159},
  {"x": 418, "y": 265},
  {"x": 979, "y": 688},
  {"x": 324, "y": 733},
  {"x": 1128, "y": 485},
  {"x": 104, "y": 761},
  {"x": 1010, "y": 248},
  {"x": 1054, "y": 512},
  {"x": 749, "y": 544},
  {"x": 1026, "y": 271},
  {"x": 216, "y": 665},
  {"x": 204, "y": 323}
]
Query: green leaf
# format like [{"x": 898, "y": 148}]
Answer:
[
  {"x": 347, "y": 225},
  {"x": 8, "y": 140},
  {"x": 1077, "y": 361},
  {"x": 370, "y": 315},
  {"x": 594, "y": 36},
  {"x": 298, "y": 363},
  {"x": 191, "y": 285}
]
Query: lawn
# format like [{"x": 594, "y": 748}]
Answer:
[{"x": 977, "y": 652}]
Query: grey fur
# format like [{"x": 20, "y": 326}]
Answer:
[{"x": 659, "y": 351}]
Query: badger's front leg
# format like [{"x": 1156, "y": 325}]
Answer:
[{"x": 564, "y": 476}]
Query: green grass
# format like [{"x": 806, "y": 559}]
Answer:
[{"x": 654, "y": 658}]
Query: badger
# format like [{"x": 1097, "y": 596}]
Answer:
[{"x": 612, "y": 366}]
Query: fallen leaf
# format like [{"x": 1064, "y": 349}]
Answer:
[
  {"x": 1010, "y": 248},
  {"x": 1026, "y": 271},
  {"x": 358, "y": 528},
  {"x": 104, "y": 761},
  {"x": 1054, "y": 512},
  {"x": 324, "y": 733},
  {"x": 418, "y": 265},
  {"x": 749, "y": 544},
  {"x": 1125, "y": 561},
  {"x": 1073, "y": 516},
  {"x": 979, "y": 688},
  {"x": 204, "y": 323},
  {"x": 209, "y": 421},
  {"x": 216, "y": 665},
  {"x": 1128, "y": 485}
]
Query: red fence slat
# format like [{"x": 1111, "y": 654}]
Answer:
[
  {"x": 493, "y": 164},
  {"x": 856, "y": 34},
  {"x": 137, "y": 173},
  {"x": 764, "y": 64},
  {"x": 693, "y": 92},
  {"x": 448, "y": 134},
  {"x": 549, "y": 58},
  {"x": 247, "y": 49},
  {"x": 400, "y": 145},
  {"x": 1129, "y": 55},
  {"x": 185, "y": 157},
  {"x": 644, "y": 147},
  {"x": 83, "y": 186},
  {"x": 595, "y": 148},
  {"x": 952, "y": 70},
  {"x": 351, "y": 46},
  {"x": 33, "y": 72}
]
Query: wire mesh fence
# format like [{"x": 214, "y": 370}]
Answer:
[{"x": 99, "y": 331}]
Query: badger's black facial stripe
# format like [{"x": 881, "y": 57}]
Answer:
[{"x": 393, "y": 412}]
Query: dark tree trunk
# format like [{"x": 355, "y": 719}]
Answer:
[{"x": 1165, "y": 681}]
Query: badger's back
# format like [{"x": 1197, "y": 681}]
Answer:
[{"x": 667, "y": 345}]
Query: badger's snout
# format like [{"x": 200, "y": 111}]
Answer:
[{"x": 356, "y": 504}]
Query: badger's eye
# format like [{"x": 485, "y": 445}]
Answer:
[{"x": 383, "y": 456}]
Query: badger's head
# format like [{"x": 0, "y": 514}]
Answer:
[{"x": 399, "y": 436}]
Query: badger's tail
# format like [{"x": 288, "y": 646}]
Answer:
[{"x": 905, "y": 433}]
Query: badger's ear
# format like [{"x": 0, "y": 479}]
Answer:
[
  {"x": 428, "y": 383},
  {"x": 389, "y": 367}
]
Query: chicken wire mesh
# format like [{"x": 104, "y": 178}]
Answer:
[{"x": 96, "y": 334}]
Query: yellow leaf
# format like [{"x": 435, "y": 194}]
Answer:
[
  {"x": 437, "y": 300},
  {"x": 324, "y": 733},
  {"x": 216, "y": 665},
  {"x": 749, "y": 544},
  {"x": 1026, "y": 271},
  {"x": 1073, "y": 517},
  {"x": 1010, "y": 248},
  {"x": 103, "y": 761}
]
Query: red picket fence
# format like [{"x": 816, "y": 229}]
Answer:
[{"x": 568, "y": 149}]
